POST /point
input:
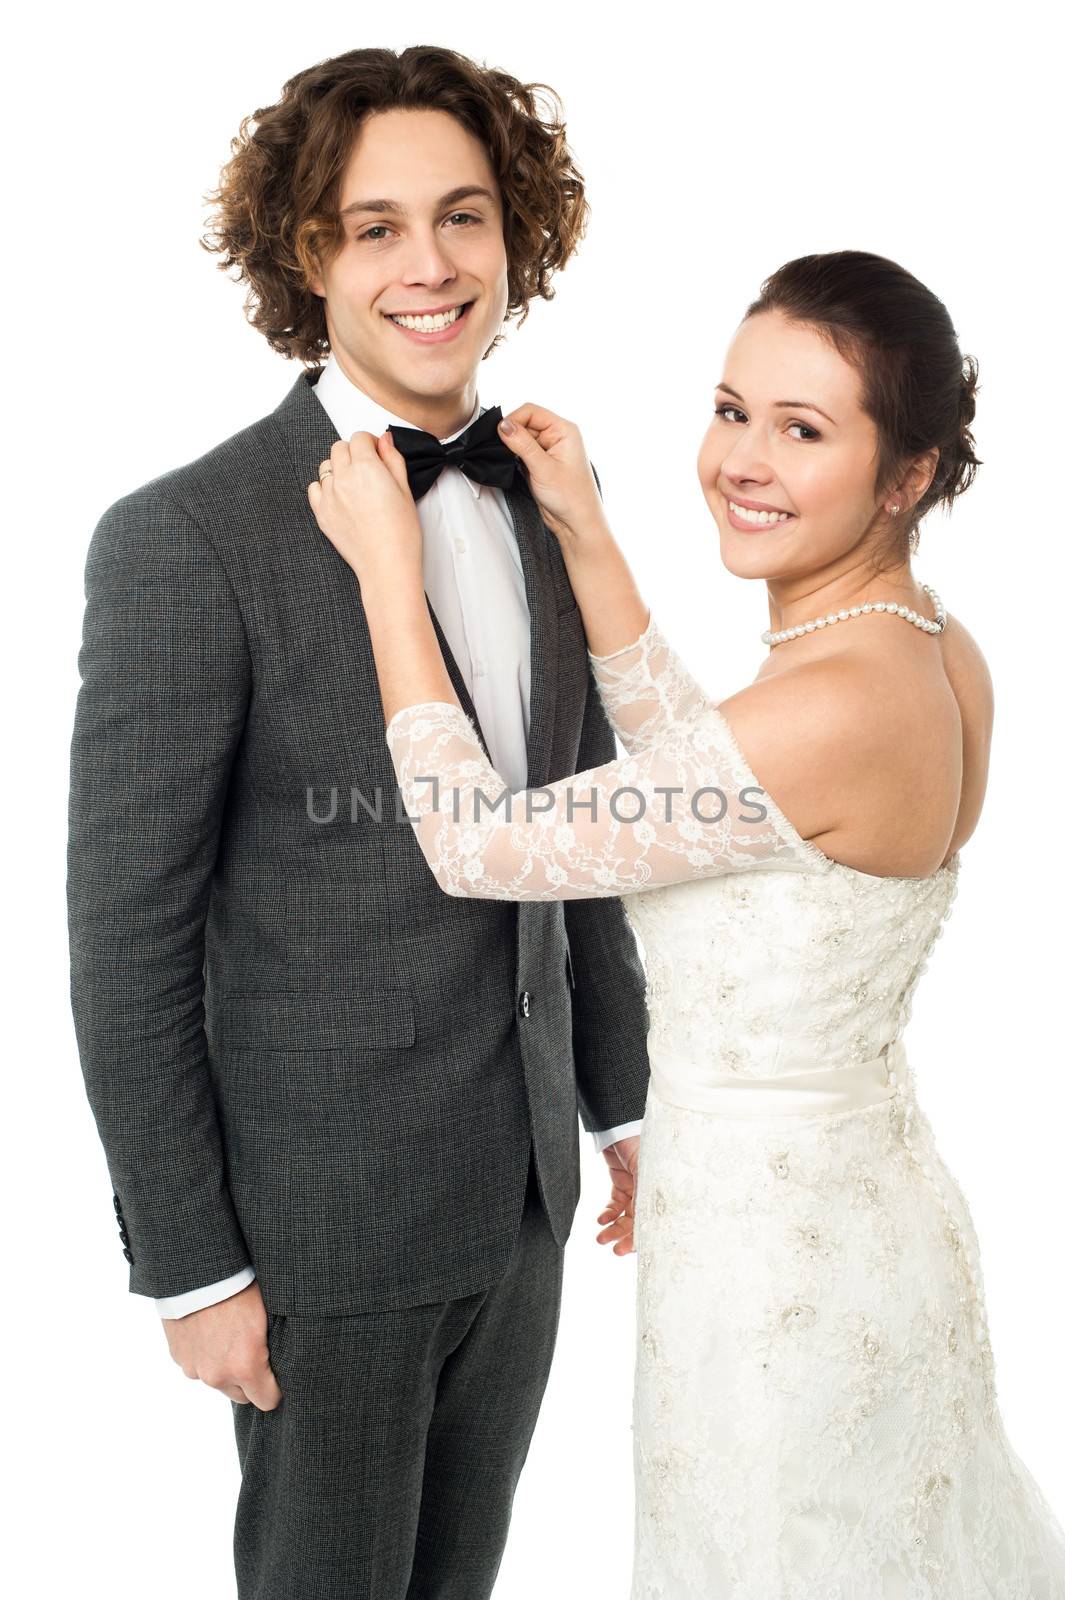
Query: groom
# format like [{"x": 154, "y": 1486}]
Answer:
[{"x": 339, "y": 1108}]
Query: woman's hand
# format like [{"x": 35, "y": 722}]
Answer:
[
  {"x": 560, "y": 474},
  {"x": 365, "y": 508},
  {"x": 562, "y": 480},
  {"x": 623, "y": 1159}
]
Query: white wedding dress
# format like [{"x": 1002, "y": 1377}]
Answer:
[{"x": 815, "y": 1414}]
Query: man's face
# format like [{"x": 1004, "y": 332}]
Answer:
[{"x": 423, "y": 234}]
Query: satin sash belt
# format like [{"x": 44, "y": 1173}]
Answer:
[{"x": 819, "y": 1093}]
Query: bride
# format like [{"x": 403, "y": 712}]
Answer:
[{"x": 815, "y": 1405}]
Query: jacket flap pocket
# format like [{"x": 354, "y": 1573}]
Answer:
[{"x": 316, "y": 1019}]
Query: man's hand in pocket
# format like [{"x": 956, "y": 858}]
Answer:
[{"x": 224, "y": 1345}]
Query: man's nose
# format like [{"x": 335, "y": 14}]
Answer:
[{"x": 427, "y": 261}]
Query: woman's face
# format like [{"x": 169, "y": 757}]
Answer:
[{"x": 788, "y": 435}]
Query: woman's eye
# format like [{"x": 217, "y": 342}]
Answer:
[{"x": 810, "y": 433}]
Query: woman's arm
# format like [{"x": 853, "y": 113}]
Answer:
[
  {"x": 687, "y": 807},
  {"x": 560, "y": 475},
  {"x": 365, "y": 508},
  {"x": 677, "y": 810},
  {"x": 645, "y": 688},
  {"x": 643, "y": 684}
]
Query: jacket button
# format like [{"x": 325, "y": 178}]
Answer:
[
  {"x": 128, "y": 1253},
  {"x": 117, "y": 1204},
  {"x": 525, "y": 1002},
  {"x": 123, "y": 1235}
]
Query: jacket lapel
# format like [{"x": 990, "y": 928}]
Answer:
[{"x": 543, "y": 633}]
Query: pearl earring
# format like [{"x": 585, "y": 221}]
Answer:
[{"x": 894, "y": 510}]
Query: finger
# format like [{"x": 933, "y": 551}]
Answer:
[
  {"x": 518, "y": 439},
  {"x": 265, "y": 1392},
  {"x": 538, "y": 420},
  {"x": 362, "y": 443},
  {"x": 357, "y": 451},
  {"x": 615, "y": 1233},
  {"x": 393, "y": 459},
  {"x": 319, "y": 494}
]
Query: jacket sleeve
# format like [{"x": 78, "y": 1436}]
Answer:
[
  {"x": 610, "y": 1019},
  {"x": 165, "y": 683}
]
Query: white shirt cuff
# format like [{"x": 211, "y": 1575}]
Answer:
[
  {"x": 608, "y": 1136},
  {"x": 179, "y": 1305}
]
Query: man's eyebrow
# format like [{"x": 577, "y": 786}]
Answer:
[
  {"x": 467, "y": 191},
  {"x": 791, "y": 405}
]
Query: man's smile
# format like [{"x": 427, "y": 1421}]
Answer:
[{"x": 431, "y": 326}]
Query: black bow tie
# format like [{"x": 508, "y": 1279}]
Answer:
[{"x": 479, "y": 452}]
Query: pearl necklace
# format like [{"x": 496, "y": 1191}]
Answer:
[{"x": 870, "y": 605}]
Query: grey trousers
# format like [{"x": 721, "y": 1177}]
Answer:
[{"x": 388, "y": 1470}]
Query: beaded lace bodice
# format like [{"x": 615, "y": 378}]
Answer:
[{"x": 768, "y": 973}]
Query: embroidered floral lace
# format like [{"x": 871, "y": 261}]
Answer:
[{"x": 683, "y": 803}]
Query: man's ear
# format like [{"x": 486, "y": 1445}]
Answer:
[{"x": 595, "y": 475}]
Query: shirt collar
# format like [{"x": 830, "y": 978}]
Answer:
[{"x": 350, "y": 410}]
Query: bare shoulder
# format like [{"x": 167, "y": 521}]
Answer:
[
  {"x": 970, "y": 676},
  {"x": 810, "y": 732},
  {"x": 875, "y": 751}
]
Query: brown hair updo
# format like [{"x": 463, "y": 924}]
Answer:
[{"x": 916, "y": 385}]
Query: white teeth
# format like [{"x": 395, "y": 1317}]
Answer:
[
  {"x": 442, "y": 319},
  {"x": 758, "y": 516}
]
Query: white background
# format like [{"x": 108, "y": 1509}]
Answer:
[{"x": 716, "y": 145}]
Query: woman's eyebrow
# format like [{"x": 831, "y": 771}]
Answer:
[{"x": 791, "y": 405}]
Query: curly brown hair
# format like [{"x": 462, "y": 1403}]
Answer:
[{"x": 278, "y": 197}]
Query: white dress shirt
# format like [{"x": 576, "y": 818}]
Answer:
[{"x": 475, "y": 584}]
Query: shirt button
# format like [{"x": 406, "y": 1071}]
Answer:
[
  {"x": 460, "y": 546},
  {"x": 478, "y": 669},
  {"x": 525, "y": 1002}
]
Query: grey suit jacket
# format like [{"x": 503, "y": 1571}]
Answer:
[{"x": 298, "y": 1052}]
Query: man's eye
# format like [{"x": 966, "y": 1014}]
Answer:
[{"x": 380, "y": 229}]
